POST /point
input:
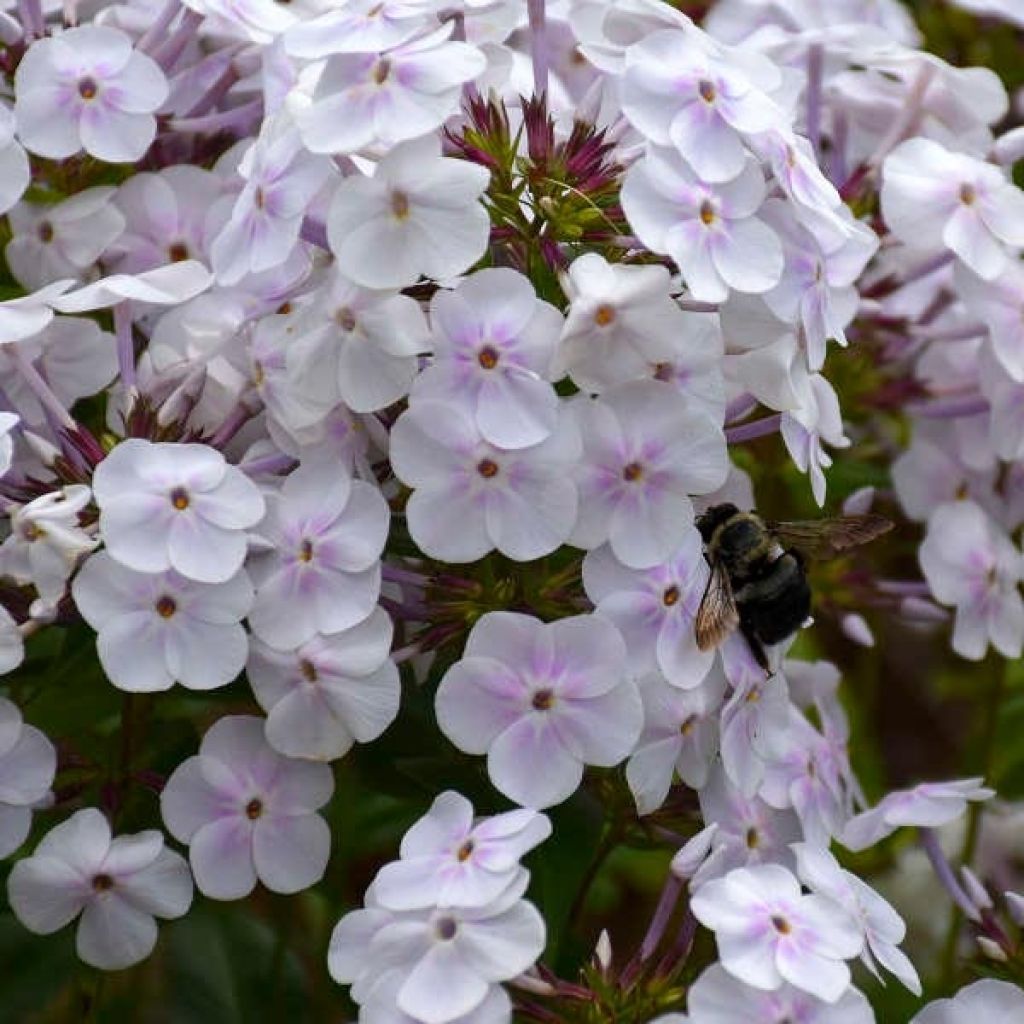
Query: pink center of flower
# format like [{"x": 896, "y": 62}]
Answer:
[
  {"x": 345, "y": 319},
  {"x": 604, "y": 315},
  {"x": 101, "y": 883},
  {"x": 487, "y": 468},
  {"x": 308, "y": 670},
  {"x": 254, "y": 808},
  {"x": 707, "y": 213},
  {"x": 446, "y": 929},
  {"x": 543, "y": 700},
  {"x": 465, "y": 851},
  {"x": 166, "y": 607},
  {"x": 45, "y": 232},
  {"x": 753, "y": 838},
  {"x": 662, "y": 371},
  {"x": 179, "y": 498},
  {"x": 31, "y": 532},
  {"x": 632, "y": 472},
  {"x": 488, "y": 357},
  {"x": 306, "y": 551},
  {"x": 258, "y": 373},
  {"x": 399, "y": 205},
  {"x": 381, "y": 71},
  {"x": 177, "y": 252},
  {"x": 968, "y": 195},
  {"x": 87, "y": 88},
  {"x": 707, "y": 90},
  {"x": 671, "y": 596},
  {"x": 754, "y": 696},
  {"x": 780, "y": 924},
  {"x": 688, "y": 726}
]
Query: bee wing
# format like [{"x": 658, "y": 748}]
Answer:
[
  {"x": 826, "y": 538},
  {"x": 717, "y": 616}
]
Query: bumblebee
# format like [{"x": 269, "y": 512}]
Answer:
[{"x": 758, "y": 578}]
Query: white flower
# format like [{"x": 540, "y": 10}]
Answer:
[
  {"x": 718, "y": 998},
  {"x": 645, "y": 451},
  {"x": 541, "y": 700},
  {"x": 353, "y": 345},
  {"x": 677, "y": 90},
  {"x": 88, "y": 88},
  {"x": 8, "y": 421},
  {"x": 623, "y": 325},
  {"x": 470, "y": 497},
  {"x": 259, "y": 21},
  {"x": 817, "y": 420},
  {"x": 448, "y": 959},
  {"x": 711, "y": 232},
  {"x": 418, "y": 215},
  {"x": 988, "y": 999},
  {"x": 248, "y": 813},
  {"x": 883, "y": 928},
  {"x": 317, "y": 568},
  {"x": 168, "y": 285},
  {"x": 655, "y": 609},
  {"x": 12, "y": 646},
  {"x": 493, "y": 342},
  {"x": 380, "y": 99},
  {"x": 927, "y": 805},
  {"x": 330, "y": 691},
  {"x": 53, "y": 242},
  {"x": 680, "y": 736},
  {"x": 156, "y": 629},
  {"x": 933, "y": 198},
  {"x": 179, "y": 506},
  {"x": 971, "y": 564},
  {"x": 450, "y": 860},
  {"x": 15, "y": 173},
  {"x": 769, "y": 932},
  {"x": 118, "y": 886},
  {"x": 46, "y": 541},
  {"x": 28, "y": 762},
  {"x": 361, "y": 26},
  {"x": 281, "y": 179}
]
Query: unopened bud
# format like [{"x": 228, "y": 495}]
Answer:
[
  {"x": 693, "y": 853},
  {"x": 857, "y": 629},
  {"x": 1009, "y": 148},
  {"x": 42, "y": 448},
  {"x": 975, "y": 890},
  {"x": 859, "y": 502},
  {"x": 180, "y": 401},
  {"x": 11, "y": 31},
  {"x": 1015, "y": 905},
  {"x": 603, "y": 950},
  {"x": 919, "y": 610},
  {"x": 992, "y": 949}
]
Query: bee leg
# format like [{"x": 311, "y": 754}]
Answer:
[{"x": 756, "y": 648}]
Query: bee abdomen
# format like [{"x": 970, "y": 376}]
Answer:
[{"x": 777, "y": 603}]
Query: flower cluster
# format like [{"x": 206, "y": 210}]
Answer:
[{"x": 386, "y": 389}]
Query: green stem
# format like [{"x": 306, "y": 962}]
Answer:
[
  {"x": 607, "y": 845},
  {"x": 998, "y": 671}
]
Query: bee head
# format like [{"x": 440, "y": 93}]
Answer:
[{"x": 714, "y": 517}]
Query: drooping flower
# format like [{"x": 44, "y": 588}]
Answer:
[{"x": 28, "y": 763}]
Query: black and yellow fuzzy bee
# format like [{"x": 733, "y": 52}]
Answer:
[{"x": 758, "y": 576}]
